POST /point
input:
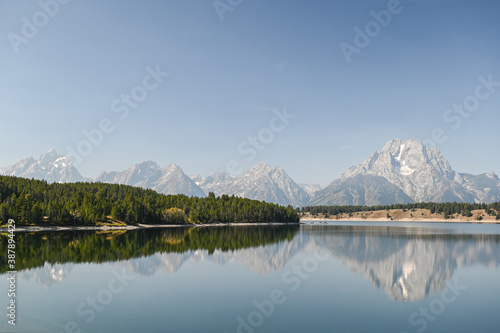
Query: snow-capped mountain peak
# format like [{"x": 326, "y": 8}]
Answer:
[
  {"x": 403, "y": 171},
  {"x": 168, "y": 180},
  {"x": 50, "y": 166},
  {"x": 421, "y": 172},
  {"x": 261, "y": 182},
  {"x": 492, "y": 175}
]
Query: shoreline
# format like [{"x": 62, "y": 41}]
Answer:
[
  {"x": 309, "y": 220},
  {"x": 306, "y": 221},
  {"x": 478, "y": 216},
  {"x": 138, "y": 226}
]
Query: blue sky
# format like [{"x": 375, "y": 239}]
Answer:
[{"x": 228, "y": 79}]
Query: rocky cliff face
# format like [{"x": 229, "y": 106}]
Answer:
[
  {"x": 484, "y": 187},
  {"x": 262, "y": 182},
  {"x": 311, "y": 189},
  {"x": 51, "y": 167},
  {"x": 421, "y": 172},
  {"x": 360, "y": 190},
  {"x": 167, "y": 180},
  {"x": 218, "y": 183}
]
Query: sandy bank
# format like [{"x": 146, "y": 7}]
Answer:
[{"x": 404, "y": 215}]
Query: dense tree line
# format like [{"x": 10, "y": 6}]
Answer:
[
  {"x": 37, "y": 202},
  {"x": 445, "y": 208}
]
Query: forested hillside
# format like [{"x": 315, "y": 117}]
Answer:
[{"x": 37, "y": 202}]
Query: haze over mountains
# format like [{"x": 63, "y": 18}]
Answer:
[{"x": 403, "y": 171}]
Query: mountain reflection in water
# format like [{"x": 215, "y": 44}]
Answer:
[{"x": 407, "y": 263}]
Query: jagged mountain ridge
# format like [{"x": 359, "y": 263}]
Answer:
[
  {"x": 310, "y": 189},
  {"x": 261, "y": 182},
  {"x": 361, "y": 190},
  {"x": 167, "y": 180},
  {"x": 485, "y": 187},
  {"x": 421, "y": 172},
  {"x": 218, "y": 183},
  {"x": 52, "y": 167},
  {"x": 403, "y": 171}
]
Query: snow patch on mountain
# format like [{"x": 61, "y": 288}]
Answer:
[
  {"x": 51, "y": 167},
  {"x": 403, "y": 171},
  {"x": 421, "y": 172},
  {"x": 167, "y": 180},
  {"x": 262, "y": 182},
  {"x": 310, "y": 189}
]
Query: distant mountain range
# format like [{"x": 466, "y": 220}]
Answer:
[
  {"x": 167, "y": 180},
  {"x": 262, "y": 182},
  {"x": 51, "y": 167},
  {"x": 404, "y": 171}
]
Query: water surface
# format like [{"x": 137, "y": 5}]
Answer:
[{"x": 340, "y": 277}]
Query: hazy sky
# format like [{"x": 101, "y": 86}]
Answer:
[{"x": 348, "y": 82}]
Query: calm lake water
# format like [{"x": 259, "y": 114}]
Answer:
[{"x": 340, "y": 277}]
